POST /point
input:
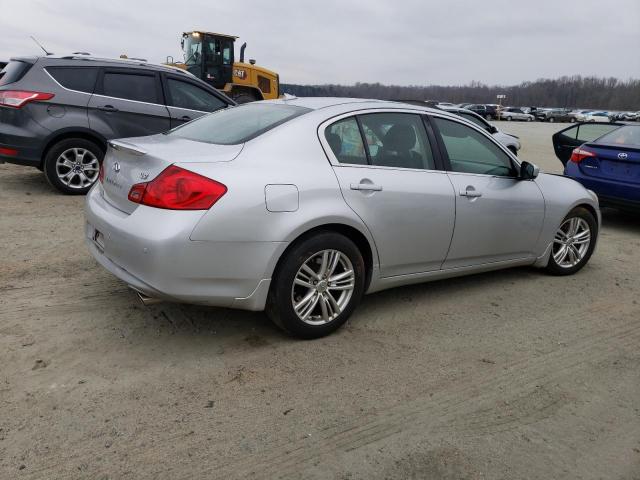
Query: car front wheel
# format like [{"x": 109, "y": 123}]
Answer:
[
  {"x": 317, "y": 286},
  {"x": 573, "y": 242}
]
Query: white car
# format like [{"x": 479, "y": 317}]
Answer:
[
  {"x": 515, "y": 113},
  {"x": 593, "y": 117}
]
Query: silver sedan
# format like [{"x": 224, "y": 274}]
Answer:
[{"x": 301, "y": 206}]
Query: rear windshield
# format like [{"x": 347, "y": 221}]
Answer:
[
  {"x": 238, "y": 124},
  {"x": 13, "y": 72},
  {"x": 629, "y": 135}
]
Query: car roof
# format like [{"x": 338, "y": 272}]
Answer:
[
  {"x": 119, "y": 62},
  {"x": 347, "y": 104}
]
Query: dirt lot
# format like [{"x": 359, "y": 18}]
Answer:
[{"x": 508, "y": 375}]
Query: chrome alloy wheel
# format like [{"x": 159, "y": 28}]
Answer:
[
  {"x": 571, "y": 242},
  {"x": 323, "y": 287},
  {"x": 77, "y": 168}
]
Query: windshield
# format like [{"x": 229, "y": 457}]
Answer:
[
  {"x": 629, "y": 135},
  {"x": 192, "y": 49},
  {"x": 239, "y": 124}
]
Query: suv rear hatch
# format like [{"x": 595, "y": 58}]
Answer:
[{"x": 136, "y": 160}]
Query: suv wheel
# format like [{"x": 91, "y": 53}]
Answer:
[
  {"x": 72, "y": 165},
  {"x": 318, "y": 285}
]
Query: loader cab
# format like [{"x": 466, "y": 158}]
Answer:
[{"x": 209, "y": 56}]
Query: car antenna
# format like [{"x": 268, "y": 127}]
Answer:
[{"x": 40, "y": 45}]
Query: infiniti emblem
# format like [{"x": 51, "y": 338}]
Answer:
[
  {"x": 116, "y": 167},
  {"x": 622, "y": 156}
]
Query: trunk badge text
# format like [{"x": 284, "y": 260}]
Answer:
[{"x": 144, "y": 175}]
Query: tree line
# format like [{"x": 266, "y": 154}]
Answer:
[{"x": 563, "y": 92}]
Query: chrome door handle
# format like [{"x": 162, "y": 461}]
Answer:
[
  {"x": 370, "y": 187},
  {"x": 470, "y": 192}
]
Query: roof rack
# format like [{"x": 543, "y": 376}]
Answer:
[{"x": 130, "y": 61}]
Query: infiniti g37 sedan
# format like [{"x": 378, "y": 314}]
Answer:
[{"x": 300, "y": 206}]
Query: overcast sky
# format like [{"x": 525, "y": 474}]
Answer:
[{"x": 403, "y": 42}]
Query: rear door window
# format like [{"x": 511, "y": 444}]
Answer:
[
  {"x": 141, "y": 87},
  {"x": 346, "y": 142},
  {"x": 588, "y": 132},
  {"x": 81, "y": 79},
  {"x": 187, "y": 95},
  {"x": 629, "y": 135},
  {"x": 397, "y": 140},
  {"x": 13, "y": 72}
]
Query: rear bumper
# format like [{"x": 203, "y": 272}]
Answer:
[
  {"x": 609, "y": 192},
  {"x": 150, "y": 250},
  {"x": 19, "y": 132}
]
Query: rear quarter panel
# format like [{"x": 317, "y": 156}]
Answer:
[{"x": 291, "y": 155}]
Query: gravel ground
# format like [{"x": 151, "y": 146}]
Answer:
[{"x": 506, "y": 375}]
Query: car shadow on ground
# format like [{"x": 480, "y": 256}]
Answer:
[
  {"x": 621, "y": 220},
  {"x": 26, "y": 180},
  {"x": 239, "y": 329}
]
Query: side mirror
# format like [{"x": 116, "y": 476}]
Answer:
[{"x": 528, "y": 171}]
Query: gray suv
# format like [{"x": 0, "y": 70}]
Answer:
[{"x": 57, "y": 112}]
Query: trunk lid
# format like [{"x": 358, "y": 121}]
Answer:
[
  {"x": 138, "y": 160},
  {"x": 613, "y": 162}
]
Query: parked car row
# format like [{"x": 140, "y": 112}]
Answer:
[{"x": 497, "y": 112}]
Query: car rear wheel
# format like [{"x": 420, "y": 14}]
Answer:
[
  {"x": 317, "y": 286},
  {"x": 72, "y": 165},
  {"x": 573, "y": 242},
  {"x": 508, "y": 119},
  {"x": 551, "y": 119}
]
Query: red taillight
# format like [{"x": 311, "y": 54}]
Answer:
[
  {"x": 580, "y": 154},
  {"x": 178, "y": 189},
  {"x": 19, "y": 98},
  {"x": 9, "y": 152}
]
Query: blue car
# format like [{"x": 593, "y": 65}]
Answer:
[{"x": 605, "y": 158}]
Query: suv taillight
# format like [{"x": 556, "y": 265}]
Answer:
[
  {"x": 178, "y": 189},
  {"x": 19, "y": 98},
  {"x": 579, "y": 154}
]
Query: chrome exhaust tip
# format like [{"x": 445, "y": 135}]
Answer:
[{"x": 146, "y": 301}]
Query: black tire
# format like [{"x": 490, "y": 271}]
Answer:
[
  {"x": 280, "y": 301},
  {"x": 580, "y": 212},
  {"x": 572, "y": 120},
  {"x": 241, "y": 98},
  {"x": 488, "y": 117},
  {"x": 49, "y": 166},
  {"x": 551, "y": 119},
  {"x": 508, "y": 119}
]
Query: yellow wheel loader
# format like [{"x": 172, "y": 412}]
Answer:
[{"x": 210, "y": 57}]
